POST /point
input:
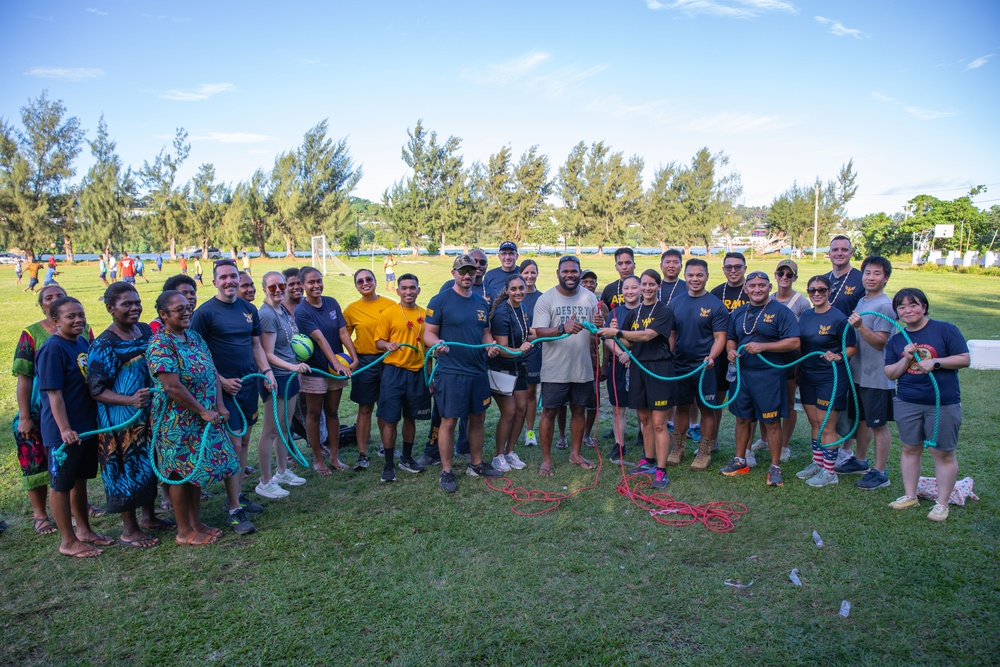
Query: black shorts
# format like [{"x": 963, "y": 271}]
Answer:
[
  {"x": 557, "y": 394},
  {"x": 687, "y": 391},
  {"x": 458, "y": 396},
  {"x": 403, "y": 394},
  {"x": 534, "y": 366},
  {"x": 80, "y": 463},
  {"x": 721, "y": 368},
  {"x": 763, "y": 395},
  {"x": 282, "y": 382},
  {"x": 875, "y": 406},
  {"x": 646, "y": 392},
  {"x": 364, "y": 387},
  {"x": 818, "y": 394},
  {"x": 617, "y": 393},
  {"x": 248, "y": 400}
]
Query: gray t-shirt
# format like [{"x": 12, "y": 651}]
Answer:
[
  {"x": 868, "y": 364},
  {"x": 566, "y": 360},
  {"x": 798, "y": 304},
  {"x": 282, "y": 324}
]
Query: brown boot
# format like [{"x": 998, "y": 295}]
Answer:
[
  {"x": 676, "y": 448},
  {"x": 704, "y": 455}
]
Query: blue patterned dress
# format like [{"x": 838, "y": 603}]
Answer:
[
  {"x": 120, "y": 366},
  {"x": 177, "y": 430}
]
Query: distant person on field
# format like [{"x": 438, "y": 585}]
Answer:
[
  {"x": 127, "y": 265},
  {"x": 140, "y": 268},
  {"x": 112, "y": 268},
  {"x": 246, "y": 263},
  {"x": 184, "y": 264},
  {"x": 159, "y": 262},
  {"x": 18, "y": 268},
  {"x": 102, "y": 270},
  {"x": 389, "y": 264},
  {"x": 198, "y": 272},
  {"x": 33, "y": 268}
]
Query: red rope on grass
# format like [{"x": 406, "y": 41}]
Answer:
[{"x": 522, "y": 496}]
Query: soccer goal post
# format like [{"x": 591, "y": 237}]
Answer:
[{"x": 320, "y": 253}]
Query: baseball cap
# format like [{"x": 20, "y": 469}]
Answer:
[
  {"x": 463, "y": 260},
  {"x": 508, "y": 245},
  {"x": 790, "y": 264},
  {"x": 753, "y": 275},
  {"x": 588, "y": 272}
]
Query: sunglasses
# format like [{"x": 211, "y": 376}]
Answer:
[
  {"x": 466, "y": 271},
  {"x": 818, "y": 290},
  {"x": 784, "y": 274},
  {"x": 570, "y": 258},
  {"x": 732, "y": 267},
  {"x": 275, "y": 288},
  {"x": 480, "y": 262},
  {"x": 365, "y": 280}
]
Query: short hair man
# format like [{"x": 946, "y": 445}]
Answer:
[
  {"x": 671, "y": 262},
  {"x": 845, "y": 291},
  {"x": 496, "y": 278},
  {"x": 625, "y": 266}
]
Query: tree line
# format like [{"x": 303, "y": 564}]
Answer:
[{"x": 595, "y": 197}]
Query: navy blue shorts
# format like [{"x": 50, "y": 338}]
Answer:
[
  {"x": 248, "y": 399},
  {"x": 534, "y": 365},
  {"x": 617, "y": 394},
  {"x": 80, "y": 463},
  {"x": 282, "y": 382},
  {"x": 403, "y": 394},
  {"x": 818, "y": 394},
  {"x": 365, "y": 387},
  {"x": 646, "y": 392},
  {"x": 763, "y": 395},
  {"x": 686, "y": 391},
  {"x": 459, "y": 396}
]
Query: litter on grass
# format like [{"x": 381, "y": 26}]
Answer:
[
  {"x": 845, "y": 608},
  {"x": 927, "y": 487},
  {"x": 794, "y": 576},
  {"x": 736, "y": 584},
  {"x": 817, "y": 539}
]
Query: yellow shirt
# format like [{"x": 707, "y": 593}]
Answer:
[
  {"x": 403, "y": 326},
  {"x": 362, "y": 317}
]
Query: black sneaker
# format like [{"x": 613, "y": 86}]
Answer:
[
  {"x": 851, "y": 466},
  {"x": 409, "y": 465},
  {"x": 484, "y": 469},
  {"x": 363, "y": 462},
  {"x": 381, "y": 452},
  {"x": 617, "y": 454},
  {"x": 774, "y": 477},
  {"x": 250, "y": 507},
  {"x": 240, "y": 523},
  {"x": 873, "y": 480},
  {"x": 388, "y": 474},
  {"x": 448, "y": 483},
  {"x": 428, "y": 461}
]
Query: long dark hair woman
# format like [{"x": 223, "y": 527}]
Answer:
[{"x": 529, "y": 271}]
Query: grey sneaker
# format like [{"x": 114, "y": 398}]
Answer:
[
  {"x": 617, "y": 454},
  {"x": 484, "y": 469},
  {"x": 774, "y": 477},
  {"x": 363, "y": 462},
  {"x": 873, "y": 480},
  {"x": 409, "y": 465},
  {"x": 660, "y": 480},
  {"x": 428, "y": 461},
  {"x": 240, "y": 523},
  {"x": 822, "y": 478},
  {"x": 448, "y": 483},
  {"x": 809, "y": 471},
  {"x": 851, "y": 466},
  {"x": 388, "y": 473}
]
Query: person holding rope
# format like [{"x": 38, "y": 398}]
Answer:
[
  {"x": 647, "y": 328},
  {"x": 617, "y": 373},
  {"x": 321, "y": 318},
  {"x": 821, "y": 330},
  {"x": 529, "y": 271},
  {"x": 277, "y": 326},
  {"x": 461, "y": 386},
  {"x": 67, "y": 411},
  {"x": 567, "y": 367},
  {"x": 187, "y": 396},
  {"x": 846, "y": 290},
  {"x": 701, "y": 325},
  {"x": 760, "y": 326},
  {"x": 362, "y": 317},
  {"x": 588, "y": 280},
  {"x": 230, "y": 327},
  {"x": 732, "y": 294},
  {"x": 403, "y": 394},
  {"x": 32, "y": 454},
  {"x": 671, "y": 263},
  {"x": 119, "y": 382},
  {"x": 936, "y": 349},
  {"x": 873, "y": 389},
  {"x": 510, "y": 327}
]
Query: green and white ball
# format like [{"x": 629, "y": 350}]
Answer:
[{"x": 302, "y": 347}]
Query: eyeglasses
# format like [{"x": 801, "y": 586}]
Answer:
[
  {"x": 784, "y": 274},
  {"x": 732, "y": 267},
  {"x": 365, "y": 280},
  {"x": 179, "y": 310},
  {"x": 818, "y": 290},
  {"x": 277, "y": 287}
]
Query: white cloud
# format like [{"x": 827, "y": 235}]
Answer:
[
  {"x": 95, "y": 10},
  {"x": 202, "y": 92},
  {"x": 563, "y": 81},
  {"x": 840, "y": 30},
  {"x": 505, "y": 72},
  {"x": 735, "y": 123},
  {"x": 928, "y": 114},
  {"x": 879, "y": 97},
  {"x": 736, "y": 9},
  {"x": 65, "y": 73},
  {"x": 232, "y": 137},
  {"x": 979, "y": 62}
]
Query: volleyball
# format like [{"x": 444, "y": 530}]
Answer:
[
  {"x": 344, "y": 359},
  {"x": 302, "y": 346}
]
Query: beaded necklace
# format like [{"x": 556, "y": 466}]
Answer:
[
  {"x": 672, "y": 290},
  {"x": 746, "y": 316}
]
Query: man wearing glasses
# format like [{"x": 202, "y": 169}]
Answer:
[
  {"x": 625, "y": 266},
  {"x": 231, "y": 329},
  {"x": 496, "y": 278},
  {"x": 567, "y": 369},
  {"x": 461, "y": 385},
  {"x": 732, "y": 294},
  {"x": 847, "y": 288}
]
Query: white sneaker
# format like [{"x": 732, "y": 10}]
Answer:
[
  {"x": 786, "y": 453},
  {"x": 843, "y": 455},
  {"x": 500, "y": 463},
  {"x": 823, "y": 478},
  {"x": 271, "y": 490},
  {"x": 751, "y": 459},
  {"x": 514, "y": 461},
  {"x": 757, "y": 446},
  {"x": 290, "y": 478},
  {"x": 530, "y": 440}
]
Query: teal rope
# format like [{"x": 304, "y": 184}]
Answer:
[
  {"x": 60, "y": 452},
  {"x": 429, "y": 377}
]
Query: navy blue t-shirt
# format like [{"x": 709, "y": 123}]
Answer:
[
  {"x": 821, "y": 332},
  {"x": 767, "y": 324},
  {"x": 328, "y": 319},
  {"x": 846, "y": 291},
  {"x": 936, "y": 340},
  {"x": 515, "y": 324},
  {"x": 476, "y": 289},
  {"x": 495, "y": 278},
  {"x": 731, "y": 297},
  {"x": 696, "y": 320},
  {"x": 62, "y": 364},
  {"x": 227, "y": 329},
  {"x": 670, "y": 291},
  {"x": 658, "y": 318},
  {"x": 460, "y": 319}
]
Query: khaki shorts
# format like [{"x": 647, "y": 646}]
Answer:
[{"x": 319, "y": 384}]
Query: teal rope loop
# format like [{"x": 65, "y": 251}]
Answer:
[
  {"x": 429, "y": 377},
  {"x": 59, "y": 454}
]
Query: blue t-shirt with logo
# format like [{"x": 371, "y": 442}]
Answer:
[
  {"x": 822, "y": 332},
  {"x": 460, "y": 319},
  {"x": 762, "y": 324},
  {"x": 936, "y": 340},
  {"x": 328, "y": 319},
  {"x": 62, "y": 364},
  {"x": 696, "y": 320},
  {"x": 227, "y": 329},
  {"x": 846, "y": 291}
]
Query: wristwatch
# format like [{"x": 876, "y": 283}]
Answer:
[
  {"x": 561, "y": 329},
  {"x": 618, "y": 334},
  {"x": 937, "y": 365}
]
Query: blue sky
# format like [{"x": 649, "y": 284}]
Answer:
[{"x": 788, "y": 89}]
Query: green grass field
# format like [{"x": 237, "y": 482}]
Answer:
[{"x": 350, "y": 571}]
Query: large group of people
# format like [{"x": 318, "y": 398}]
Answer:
[{"x": 181, "y": 384}]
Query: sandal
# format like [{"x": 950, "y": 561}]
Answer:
[
  {"x": 94, "y": 512},
  {"x": 44, "y": 526},
  {"x": 547, "y": 471}
]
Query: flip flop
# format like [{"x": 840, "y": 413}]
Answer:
[
  {"x": 94, "y": 512},
  {"x": 206, "y": 538},
  {"x": 101, "y": 541},
  {"x": 584, "y": 463},
  {"x": 136, "y": 544},
  {"x": 44, "y": 526},
  {"x": 87, "y": 553},
  {"x": 325, "y": 472},
  {"x": 546, "y": 471}
]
